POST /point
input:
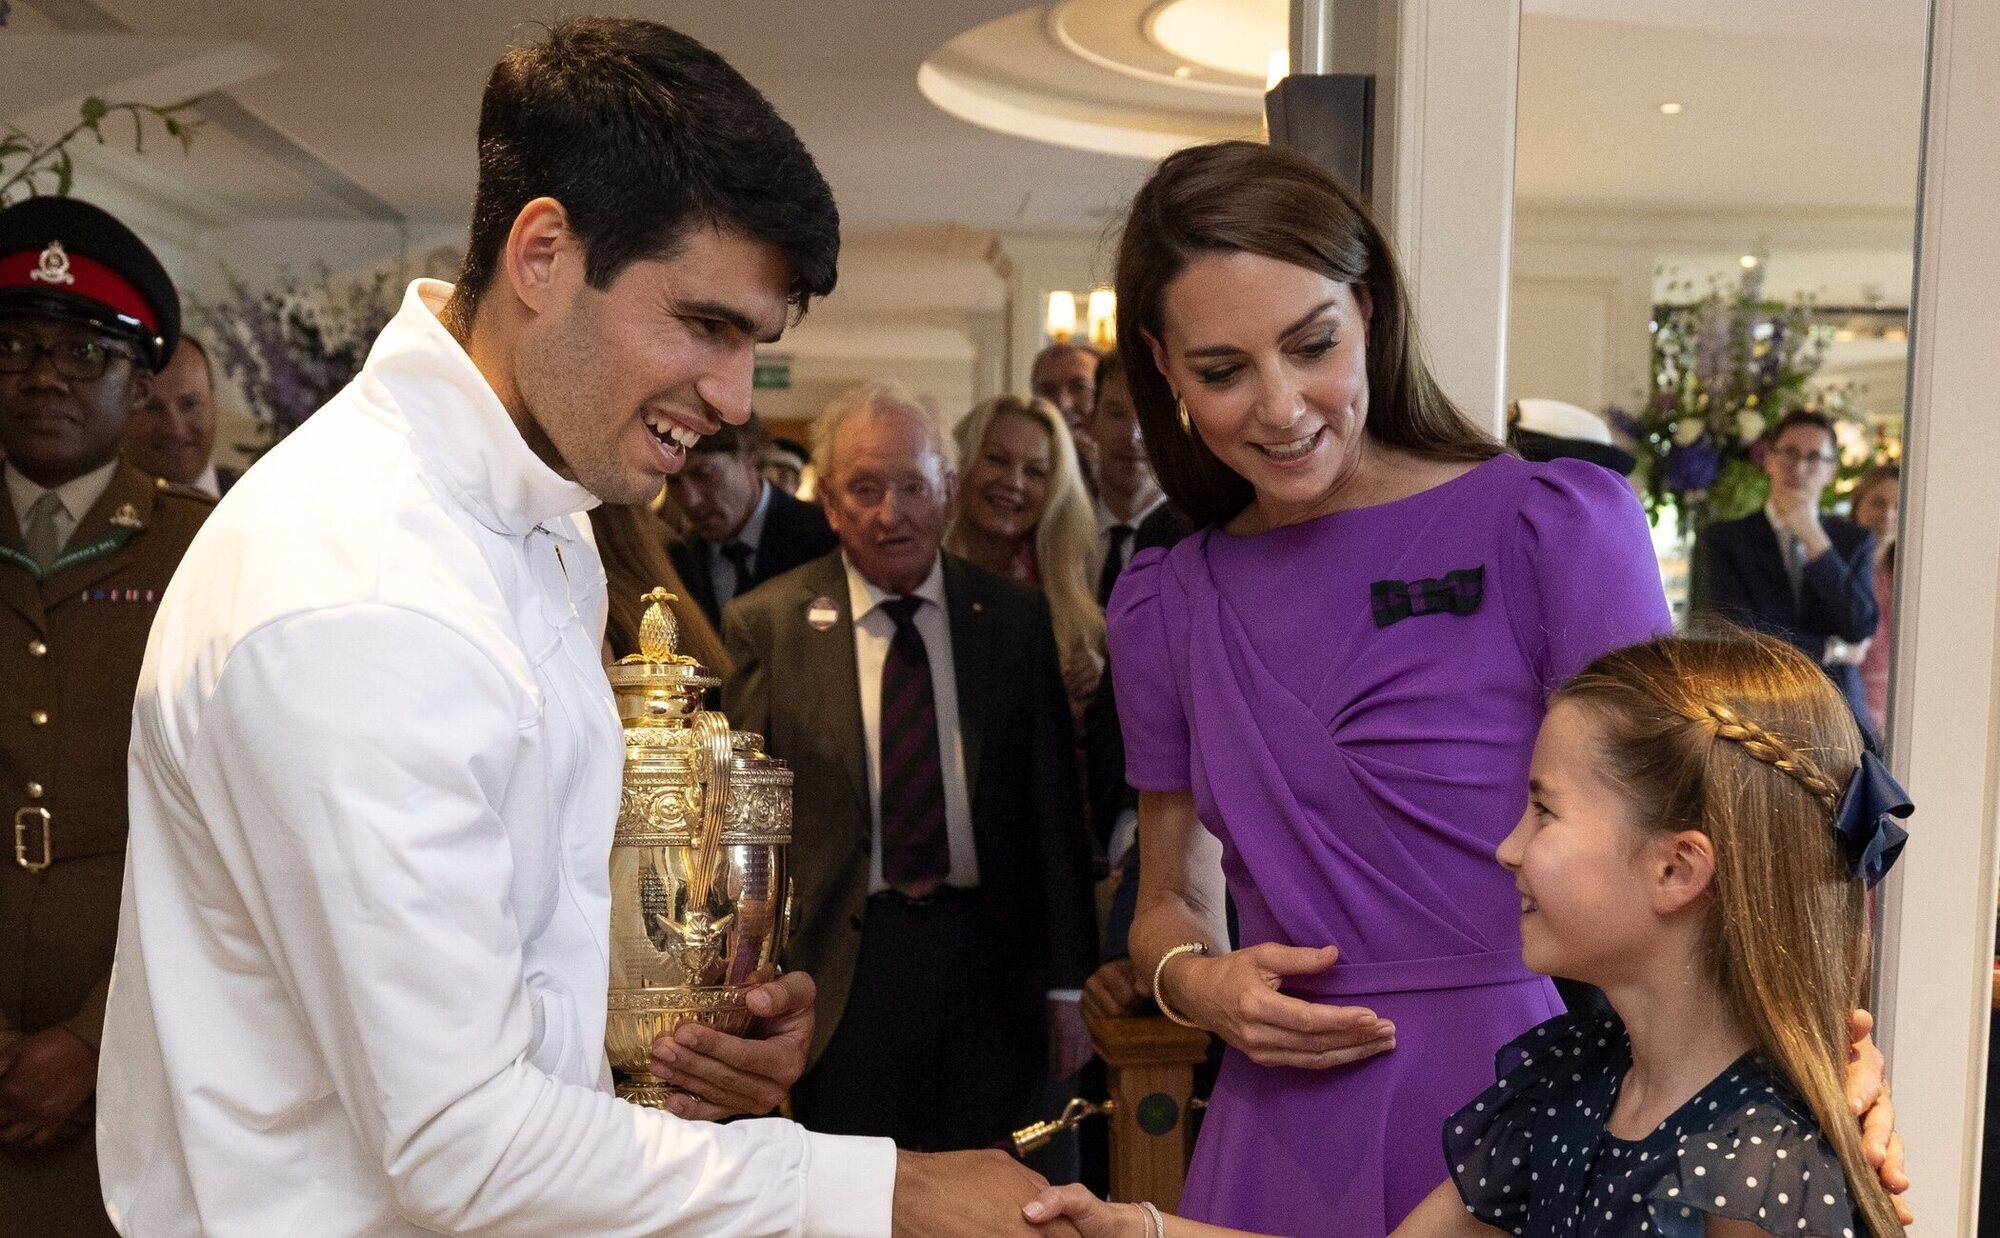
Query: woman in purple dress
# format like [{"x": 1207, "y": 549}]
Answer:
[{"x": 1329, "y": 696}]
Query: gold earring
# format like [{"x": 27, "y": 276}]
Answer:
[{"x": 1180, "y": 410}]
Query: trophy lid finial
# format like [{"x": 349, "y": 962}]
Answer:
[{"x": 659, "y": 633}]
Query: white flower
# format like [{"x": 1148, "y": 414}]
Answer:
[
  {"x": 1688, "y": 430},
  {"x": 1855, "y": 445},
  {"x": 1749, "y": 426}
]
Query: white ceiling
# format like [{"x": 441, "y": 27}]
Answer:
[{"x": 1787, "y": 102}]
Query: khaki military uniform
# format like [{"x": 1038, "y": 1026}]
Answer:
[{"x": 71, "y": 641}]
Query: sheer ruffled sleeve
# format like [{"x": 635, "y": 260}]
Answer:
[
  {"x": 1585, "y": 553},
  {"x": 1490, "y": 1145},
  {"x": 1766, "y": 1164},
  {"x": 1145, "y": 679}
]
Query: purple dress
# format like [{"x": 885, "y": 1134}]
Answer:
[{"x": 1353, "y": 701}]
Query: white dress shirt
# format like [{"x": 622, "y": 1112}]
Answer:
[
  {"x": 208, "y": 483},
  {"x": 362, "y": 955},
  {"x": 873, "y": 629},
  {"x": 77, "y": 496}
]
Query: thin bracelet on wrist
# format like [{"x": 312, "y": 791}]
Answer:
[
  {"x": 1159, "y": 1223},
  {"x": 1159, "y": 997}
]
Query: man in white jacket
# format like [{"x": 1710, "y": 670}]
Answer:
[{"x": 360, "y": 982}]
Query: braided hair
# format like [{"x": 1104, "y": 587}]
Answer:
[{"x": 1742, "y": 738}]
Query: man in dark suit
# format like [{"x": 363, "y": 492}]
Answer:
[
  {"x": 943, "y": 871},
  {"x": 1792, "y": 572},
  {"x": 742, "y": 530}
]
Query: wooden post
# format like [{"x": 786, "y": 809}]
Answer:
[{"x": 1150, "y": 1064}]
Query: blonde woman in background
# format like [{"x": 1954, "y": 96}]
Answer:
[
  {"x": 1023, "y": 513},
  {"x": 632, "y": 543}
]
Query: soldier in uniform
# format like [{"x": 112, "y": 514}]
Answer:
[{"x": 87, "y": 543}]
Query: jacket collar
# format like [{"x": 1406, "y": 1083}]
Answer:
[{"x": 463, "y": 432}]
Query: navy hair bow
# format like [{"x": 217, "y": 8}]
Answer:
[{"x": 1866, "y": 820}]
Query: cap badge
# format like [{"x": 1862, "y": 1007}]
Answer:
[
  {"x": 127, "y": 517},
  {"x": 54, "y": 266}
]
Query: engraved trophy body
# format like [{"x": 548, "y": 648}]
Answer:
[{"x": 700, "y": 899}]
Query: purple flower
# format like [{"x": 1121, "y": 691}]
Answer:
[
  {"x": 1693, "y": 468},
  {"x": 1624, "y": 422}
]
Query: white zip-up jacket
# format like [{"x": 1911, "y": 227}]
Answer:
[{"x": 360, "y": 985}]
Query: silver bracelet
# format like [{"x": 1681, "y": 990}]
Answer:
[{"x": 1153, "y": 1214}]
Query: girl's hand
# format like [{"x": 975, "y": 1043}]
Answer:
[
  {"x": 1236, "y": 996},
  {"x": 1092, "y": 1217}
]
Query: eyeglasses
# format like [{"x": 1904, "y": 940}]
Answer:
[
  {"x": 1792, "y": 455},
  {"x": 78, "y": 360}
]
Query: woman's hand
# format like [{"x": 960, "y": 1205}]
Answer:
[
  {"x": 1092, "y": 1217},
  {"x": 1868, "y": 1097},
  {"x": 1236, "y": 996}
]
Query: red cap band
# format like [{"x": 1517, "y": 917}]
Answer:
[{"x": 51, "y": 269}]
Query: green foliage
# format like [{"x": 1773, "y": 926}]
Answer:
[{"x": 29, "y": 168}]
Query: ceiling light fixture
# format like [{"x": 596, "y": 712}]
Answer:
[
  {"x": 1747, "y": 261},
  {"x": 1670, "y": 109},
  {"x": 1060, "y": 324},
  {"x": 1183, "y": 71}
]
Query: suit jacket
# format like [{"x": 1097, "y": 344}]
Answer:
[
  {"x": 799, "y": 688},
  {"x": 71, "y": 640},
  {"x": 795, "y": 532},
  {"x": 1740, "y": 575}
]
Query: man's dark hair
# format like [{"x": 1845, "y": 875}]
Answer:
[
  {"x": 644, "y": 136},
  {"x": 1804, "y": 417},
  {"x": 745, "y": 440}
]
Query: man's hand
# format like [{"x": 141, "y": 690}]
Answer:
[
  {"x": 725, "y": 1076},
  {"x": 1799, "y": 515},
  {"x": 1069, "y": 1039},
  {"x": 1868, "y": 1097},
  {"x": 965, "y": 1195},
  {"x": 1113, "y": 990},
  {"x": 46, "y": 1079}
]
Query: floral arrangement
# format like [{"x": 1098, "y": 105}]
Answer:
[
  {"x": 289, "y": 349},
  {"x": 1726, "y": 368}
]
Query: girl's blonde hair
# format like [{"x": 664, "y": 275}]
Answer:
[
  {"x": 1744, "y": 739},
  {"x": 1066, "y": 534}
]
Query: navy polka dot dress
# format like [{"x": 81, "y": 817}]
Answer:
[{"x": 1530, "y": 1155}]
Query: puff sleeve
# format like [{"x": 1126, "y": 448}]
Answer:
[
  {"x": 1145, "y": 678},
  {"x": 1592, "y": 583}
]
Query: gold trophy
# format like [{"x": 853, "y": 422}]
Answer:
[{"x": 700, "y": 901}]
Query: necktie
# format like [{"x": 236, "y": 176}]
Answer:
[
  {"x": 44, "y": 543},
  {"x": 1114, "y": 563},
  {"x": 915, "y": 856},
  {"x": 738, "y": 554},
  {"x": 1795, "y": 564}
]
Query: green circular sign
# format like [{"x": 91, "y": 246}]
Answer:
[{"x": 1158, "y": 1114}]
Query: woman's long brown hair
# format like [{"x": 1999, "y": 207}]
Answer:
[
  {"x": 1742, "y": 738},
  {"x": 633, "y": 544},
  {"x": 1242, "y": 197}
]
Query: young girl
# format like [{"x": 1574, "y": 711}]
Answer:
[{"x": 1701, "y": 831}]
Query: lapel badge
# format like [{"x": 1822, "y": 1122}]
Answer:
[
  {"x": 127, "y": 517},
  {"x": 53, "y": 266},
  {"x": 821, "y": 614}
]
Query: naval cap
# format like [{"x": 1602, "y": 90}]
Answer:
[{"x": 64, "y": 258}]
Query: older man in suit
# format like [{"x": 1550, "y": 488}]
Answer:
[
  {"x": 742, "y": 529},
  {"x": 943, "y": 869},
  {"x": 1792, "y": 572}
]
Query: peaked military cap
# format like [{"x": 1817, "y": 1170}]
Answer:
[{"x": 67, "y": 259}]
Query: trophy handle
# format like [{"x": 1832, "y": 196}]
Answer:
[{"x": 712, "y": 775}]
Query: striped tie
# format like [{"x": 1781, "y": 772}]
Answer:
[{"x": 915, "y": 856}]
